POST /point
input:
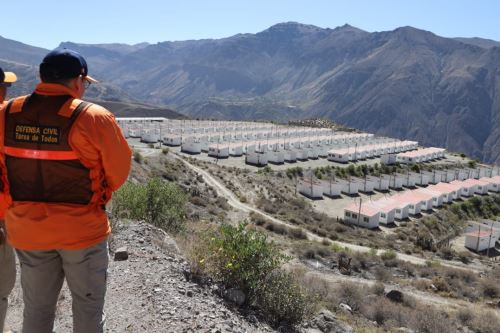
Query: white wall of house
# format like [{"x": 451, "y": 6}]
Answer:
[
  {"x": 370, "y": 222},
  {"x": 191, "y": 147},
  {"x": 311, "y": 189},
  {"x": 478, "y": 243},
  {"x": 256, "y": 158}
]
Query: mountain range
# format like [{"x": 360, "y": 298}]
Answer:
[{"x": 406, "y": 83}]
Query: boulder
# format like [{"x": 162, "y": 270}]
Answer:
[
  {"x": 235, "y": 296},
  {"x": 121, "y": 254},
  {"x": 395, "y": 296}
]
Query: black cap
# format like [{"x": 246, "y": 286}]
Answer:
[{"x": 64, "y": 64}]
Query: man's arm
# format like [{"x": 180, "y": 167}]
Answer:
[{"x": 97, "y": 127}]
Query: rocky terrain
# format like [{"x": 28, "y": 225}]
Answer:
[{"x": 150, "y": 292}]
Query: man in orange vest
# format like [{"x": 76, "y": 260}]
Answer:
[
  {"x": 62, "y": 158},
  {"x": 7, "y": 261}
]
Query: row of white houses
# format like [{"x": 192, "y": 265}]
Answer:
[
  {"x": 315, "y": 188},
  {"x": 385, "y": 210},
  {"x": 420, "y": 155},
  {"x": 369, "y": 150}
]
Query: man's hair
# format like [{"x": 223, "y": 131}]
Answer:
[{"x": 51, "y": 79}]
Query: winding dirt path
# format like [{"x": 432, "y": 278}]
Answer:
[{"x": 234, "y": 202}]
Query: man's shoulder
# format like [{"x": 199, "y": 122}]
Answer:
[{"x": 96, "y": 111}]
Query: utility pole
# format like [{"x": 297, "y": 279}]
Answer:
[
  {"x": 359, "y": 211},
  {"x": 478, "y": 237},
  {"x": 489, "y": 241}
]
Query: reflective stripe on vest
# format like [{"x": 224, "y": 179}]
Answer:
[{"x": 41, "y": 154}]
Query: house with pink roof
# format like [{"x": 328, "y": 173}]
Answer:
[
  {"x": 468, "y": 187},
  {"x": 436, "y": 196},
  {"x": 479, "y": 240},
  {"x": 413, "y": 199},
  {"x": 493, "y": 183},
  {"x": 387, "y": 209},
  {"x": 363, "y": 215}
]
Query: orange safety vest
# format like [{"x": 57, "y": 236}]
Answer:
[{"x": 41, "y": 165}]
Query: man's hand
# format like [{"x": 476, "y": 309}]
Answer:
[{"x": 3, "y": 236}]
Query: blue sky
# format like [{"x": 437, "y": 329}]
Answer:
[{"x": 47, "y": 23}]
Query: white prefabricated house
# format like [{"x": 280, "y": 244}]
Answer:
[
  {"x": 135, "y": 132},
  {"x": 479, "y": 241},
  {"x": 312, "y": 152},
  {"x": 191, "y": 146},
  {"x": 366, "y": 185},
  {"x": 276, "y": 157},
  {"x": 256, "y": 158},
  {"x": 349, "y": 187},
  {"x": 218, "y": 150},
  {"x": 236, "y": 149},
  {"x": 482, "y": 187},
  {"x": 302, "y": 154},
  {"x": 290, "y": 155},
  {"x": 402, "y": 211},
  {"x": 469, "y": 187},
  {"x": 172, "y": 140},
  {"x": 485, "y": 225},
  {"x": 310, "y": 188},
  {"x": 493, "y": 183},
  {"x": 381, "y": 182},
  {"x": 422, "y": 179},
  {"x": 387, "y": 210},
  {"x": 396, "y": 181},
  {"x": 339, "y": 156},
  {"x": 332, "y": 188},
  {"x": 150, "y": 136},
  {"x": 365, "y": 216},
  {"x": 437, "y": 196}
]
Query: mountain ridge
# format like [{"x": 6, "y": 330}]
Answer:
[{"x": 408, "y": 83}]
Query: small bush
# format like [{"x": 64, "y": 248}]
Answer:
[
  {"x": 138, "y": 156},
  {"x": 388, "y": 255},
  {"x": 198, "y": 201},
  {"x": 440, "y": 284},
  {"x": 490, "y": 288},
  {"x": 297, "y": 233},
  {"x": 465, "y": 315},
  {"x": 350, "y": 294},
  {"x": 281, "y": 300},
  {"x": 486, "y": 322},
  {"x": 378, "y": 289},
  {"x": 158, "y": 202},
  {"x": 165, "y": 151}
]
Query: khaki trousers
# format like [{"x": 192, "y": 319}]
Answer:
[
  {"x": 42, "y": 276},
  {"x": 7, "y": 279}
]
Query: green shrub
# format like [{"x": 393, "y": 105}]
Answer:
[
  {"x": 138, "y": 156},
  {"x": 165, "y": 151},
  {"x": 158, "y": 202},
  {"x": 243, "y": 258},
  {"x": 281, "y": 300}
]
